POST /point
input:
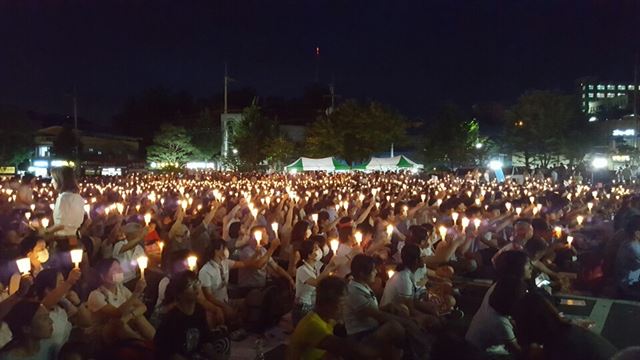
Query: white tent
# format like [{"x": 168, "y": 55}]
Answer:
[
  {"x": 391, "y": 164},
  {"x": 309, "y": 164}
]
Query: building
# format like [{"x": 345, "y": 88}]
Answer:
[
  {"x": 603, "y": 100},
  {"x": 100, "y": 153}
]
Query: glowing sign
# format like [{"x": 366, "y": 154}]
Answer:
[{"x": 624, "y": 132}]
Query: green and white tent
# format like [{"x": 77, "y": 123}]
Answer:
[
  {"x": 395, "y": 163},
  {"x": 309, "y": 164}
]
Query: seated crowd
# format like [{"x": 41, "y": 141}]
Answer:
[{"x": 367, "y": 266}]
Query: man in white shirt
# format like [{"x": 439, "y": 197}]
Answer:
[
  {"x": 257, "y": 277},
  {"x": 128, "y": 250}
]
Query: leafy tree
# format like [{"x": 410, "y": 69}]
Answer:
[
  {"x": 279, "y": 150},
  {"x": 538, "y": 125},
  {"x": 451, "y": 139},
  {"x": 171, "y": 145},
  {"x": 252, "y": 135},
  {"x": 355, "y": 131},
  {"x": 16, "y": 131},
  {"x": 205, "y": 136},
  {"x": 67, "y": 144}
]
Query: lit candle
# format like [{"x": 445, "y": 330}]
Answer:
[
  {"x": 443, "y": 232},
  {"x": 44, "y": 222},
  {"x": 161, "y": 245},
  {"x": 569, "y": 240},
  {"x": 423, "y": 197},
  {"x": 314, "y": 217},
  {"x": 183, "y": 203},
  {"x": 76, "y": 257},
  {"x": 455, "y": 216},
  {"x": 257, "y": 235},
  {"x": 579, "y": 219},
  {"x": 358, "y": 236},
  {"x": 143, "y": 261},
  {"x": 24, "y": 265},
  {"x": 465, "y": 223},
  {"x": 33, "y": 207},
  {"x": 390, "y": 273},
  {"x": 389, "y": 229},
  {"x": 334, "y": 245},
  {"x": 120, "y": 207},
  {"x": 27, "y": 215},
  {"x": 192, "y": 261},
  {"x": 558, "y": 231},
  {"x": 508, "y": 206},
  {"x": 147, "y": 218},
  {"x": 590, "y": 206},
  {"x": 254, "y": 213},
  {"x": 274, "y": 227},
  {"x": 518, "y": 210},
  {"x": 476, "y": 223}
]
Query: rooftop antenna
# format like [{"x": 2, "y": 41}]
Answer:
[{"x": 227, "y": 79}]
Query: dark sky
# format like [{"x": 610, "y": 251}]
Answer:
[{"x": 412, "y": 55}]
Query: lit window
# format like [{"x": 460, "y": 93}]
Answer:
[
  {"x": 611, "y": 87},
  {"x": 590, "y": 87},
  {"x": 584, "y": 96},
  {"x": 621, "y": 94},
  {"x": 600, "y": 87},
  {"x": 631, "y": 87},
  {"x": 591, "y": 95},
  {"x": 611, "y": 95},
  {"x": 43, "y": 151},
  {"x": 600, "y": 95},
  {"x": 621, "y": 87}
]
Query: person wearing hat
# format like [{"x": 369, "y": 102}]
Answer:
[{"x": 127, "y": 250}]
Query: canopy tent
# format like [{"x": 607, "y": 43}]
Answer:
[
  {"x": 309, "y": 164},
  {"x": 395, "y": 163}
]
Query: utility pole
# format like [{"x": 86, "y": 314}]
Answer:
[
  {"x": 226, "y": 89},
  {"x": 317, "y": 64}
]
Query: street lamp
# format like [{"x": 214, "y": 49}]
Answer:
[
  {"x": 495, "y": 165},
  {"x": 598, "y": 163}
]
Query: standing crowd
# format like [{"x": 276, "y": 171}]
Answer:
[{"x": 365, "y": 265}]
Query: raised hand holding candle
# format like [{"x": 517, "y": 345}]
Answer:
[
  {"x": 358, "y": 237},
  {"x": 274, "y": 227},
  {"x": 334, "y": 243},
  {"x": 76, "y": 257},
  {"x": 192, "y": 261},
  {"x": 24, "y": 265},
  {"x": 143, "y": 261}
]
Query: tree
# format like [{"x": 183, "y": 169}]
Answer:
[
  {"x": 279, "y": 150},
  {"x": 67, "y": 144},
  {"x": 537, "y": 126},
  {"x": 251, "y": 137},
  {"x": 355, "y": 131},
  {"x": 16, "y": 131},
  {"x": 171, "y": 146},
  {"x": 451, "y": 139},
  {"x": 205, "y": 136}
]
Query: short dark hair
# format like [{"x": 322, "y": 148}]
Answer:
[
  {"x": 329, "y": 290},
  {"x": 20, "y": 316},
  {"x": 362, "y": 265},
  {"x": 534, "y": 246},
  {"x": 506, "y": 293},
  {"x": 178, "y": 284},
  {"x": 305, "y": 249},
  {"x": 46, "y": 279},
  {"x": 511, "y": 264},
  {"x": 633, "y": 225},
  {"x": 410, "y": 254},
  {"x": 102, "y": 267}
]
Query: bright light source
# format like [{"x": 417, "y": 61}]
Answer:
[
  {"x": 624, "y": 132},
  {"x": 599, "y": 163},
  {"x": 41, "y": 163},
  {"x": 478, "y": 145},
  {"x": 235, "y": 151},
  {"x": 495, "y": 165},
  {"x": 593, "y": 119}
]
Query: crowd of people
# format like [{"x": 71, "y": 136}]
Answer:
[{"x": 366, "y": 265}]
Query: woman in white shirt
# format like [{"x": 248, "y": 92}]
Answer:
[
  {"x": 308, "y": 275},
  {"x": 119, "y": 310},
  {"x": 68, "y": 213}
]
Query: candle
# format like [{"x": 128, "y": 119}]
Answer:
[
  {"x": 192, "y": 261},
  {"x": 44, "y": 222},
  {"x": 161, "y": 245},
  {"x": 24, "y": 265},
  {"x": 390, "y": 273},
  {"x": 76, "y": 257},
  {"x": 358, "y": 236},
  {"x": 569, "y": 240},
  {"x": 590, "y": 206},
  {"x": 314, "y": 217},
  {"x": 423, "y": 197},
  {"x": 120, "y": 207},
  {"x": 27, "y": 215},
  {"x": 33, "y": 207},
  {"x": 476, "y": 223},
  {"x": 254, "y": 213},
  {"x": 557, "y": 231},
  {"x": 389, "y": 229},
  {"x": 257, "y": 235},
  {"x": 443, "y": 232},
  {"x": 579, "y": 219},
  {"x": 183, "y": 203},
  {"x": 274, "y": 227},
  {"x": 518, "y": 210},
  {"x": 508, "y": 206},
  {"x": 52, "y": 206},
  {"x": 455, "y": 216},
  {"x": 334, "y": 243},
  {"x": 532, "y": 199},
  {"x": 465, "y": 223},
  {"x": 143, "y": 261},
  {"x": 147, "y": 218}
]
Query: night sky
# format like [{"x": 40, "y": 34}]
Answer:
[{"x": 412, "y": 55}]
